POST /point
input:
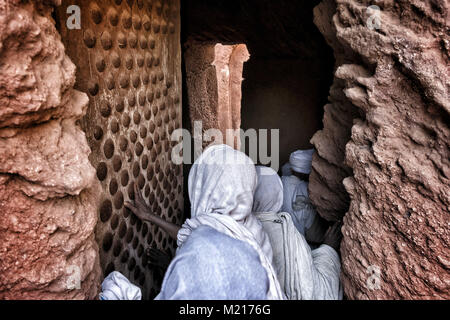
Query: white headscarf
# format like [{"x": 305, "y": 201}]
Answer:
[
  {"x": 301, "y": 161},
  {"x": 221, "y": 186},
  {"x": 269, "y": 191}
]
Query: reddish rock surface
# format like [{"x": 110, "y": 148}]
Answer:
[
  {"x": 389, "y": 111},
  {"x": 47, "y": 198}
]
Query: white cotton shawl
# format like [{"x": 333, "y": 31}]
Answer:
[
  {"x": 117, "y": 287},
  {"x": 268, "y": 195},
  {"x": 221, "y": 186},
  {"x": 303, "y": 274}
]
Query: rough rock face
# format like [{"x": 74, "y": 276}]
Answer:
[
  {"x": 214, "y": 78},
  {"x": 396, "y": 230},
  {"x": 329, "y": 169},
  {"x": 47, "y": 197}
]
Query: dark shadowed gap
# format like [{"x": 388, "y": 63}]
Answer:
[{"x": 290, "y": 70}]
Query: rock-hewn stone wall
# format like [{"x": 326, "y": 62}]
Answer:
[
  {"x": 128, "y": 58},
  {"x": 391, "y": 89},
  {"x": 47, "y": 185}
]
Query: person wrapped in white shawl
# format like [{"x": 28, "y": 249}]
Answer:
[
  {"x": 304, "y": 274},
  {"x": 221, "y": 185},
  {"x": 117, "y": 287}
]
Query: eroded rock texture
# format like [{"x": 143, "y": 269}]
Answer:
[
  {"x": 391, "y": 89},
  {"x": 47, "y": 197}
]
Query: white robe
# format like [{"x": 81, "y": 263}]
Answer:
[
  {"x": 221, "y": 186},
  {"x": 269, "y": 191},
  {"x": 304, "y": 274}
]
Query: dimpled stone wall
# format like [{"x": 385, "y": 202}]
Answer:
[{"x": 128, "y": 61}]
